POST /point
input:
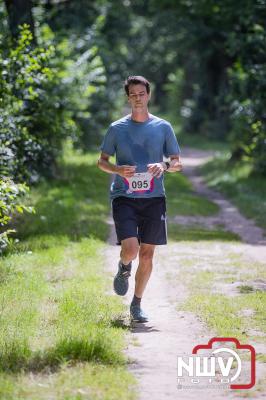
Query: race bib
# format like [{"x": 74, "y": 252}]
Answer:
[{"x": 141, "y": 182}]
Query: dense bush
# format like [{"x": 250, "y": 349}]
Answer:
[
  {"x": 49, "y": 92},
  {"x": 29, "y": 135},
  {"x": 11, "y": 197},
  {"x": 32, "y": 124}
]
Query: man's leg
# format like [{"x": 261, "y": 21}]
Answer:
[
  {"x": 129, "y": 250},
  {"x": 144, "y": 269},
  {"x": 141, "y": 279}
]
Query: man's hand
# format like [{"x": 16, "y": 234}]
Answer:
[
  {"x": 126, "y": 171},
  {"x": 156, "y": 169}
]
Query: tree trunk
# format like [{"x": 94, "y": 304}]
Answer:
[{"x": 20, "y": 12}]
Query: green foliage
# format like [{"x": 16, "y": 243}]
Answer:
[
  {"x": 10, "y": 203},
  {"x": 48, "y": 92},
  {"x": 29, "y": 134},
  {"x": 221, "y": 55},
  {"x": 247, "y": 95},
  {"x": 205, "y": 61},
  {"x": 83, "y": 90},
  {"x": 31, "y": 129},
  {"x": 79, "y": 44}
]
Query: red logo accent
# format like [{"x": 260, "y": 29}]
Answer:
[{"x": 238, "y": 346}]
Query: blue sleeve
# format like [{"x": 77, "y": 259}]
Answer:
[
  {"x": 108, "y": 143},
  {"x": 171, "y": 146}
]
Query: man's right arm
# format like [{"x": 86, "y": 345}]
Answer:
[
  {"x": 125, "y": 171},
  {"x": 105, "y": 165}
]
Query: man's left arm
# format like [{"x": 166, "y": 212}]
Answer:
[{"x": 173, "y": 165}]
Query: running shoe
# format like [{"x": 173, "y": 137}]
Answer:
[
  {"x": 137, "y": 314},
  {"x": 121, "y": 279}
]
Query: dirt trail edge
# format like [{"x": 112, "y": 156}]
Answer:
[{"x": 153, "y": 347}]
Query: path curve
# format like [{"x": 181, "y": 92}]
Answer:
[{"x": 229, "y": 215}]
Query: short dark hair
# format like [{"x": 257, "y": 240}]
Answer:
[{"x": 136, "y": 80}]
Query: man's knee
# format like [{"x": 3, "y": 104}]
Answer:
[
  {"x": 130, "y": 248},
  {"x": 146, "y": 254}
]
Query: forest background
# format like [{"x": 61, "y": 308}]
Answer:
[{"x": 63, "y": 63}]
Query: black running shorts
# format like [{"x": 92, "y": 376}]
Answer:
[{"x": 143, "y": 218}]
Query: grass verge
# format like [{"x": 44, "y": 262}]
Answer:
[
  {"x": 182, "y": 200},
  {"x": 218, "y": 298},
  {"x": 226, "y": 292},
  {"x": 58, "y": 332},
  {"x": 197, "y": 233}
]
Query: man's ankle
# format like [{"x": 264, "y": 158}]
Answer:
[
  {"x": 126, "y": 266},
  {"x": 136, "y": 301}
]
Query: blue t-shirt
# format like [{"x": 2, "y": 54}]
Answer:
[{"x": 139, "y": 143}]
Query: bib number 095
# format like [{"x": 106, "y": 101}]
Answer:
[{"x": 140, "y": 184}]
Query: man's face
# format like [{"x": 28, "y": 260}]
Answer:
[{"x": 138, "y": 97}]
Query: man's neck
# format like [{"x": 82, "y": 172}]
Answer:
[{"x": 140, "y": 117}]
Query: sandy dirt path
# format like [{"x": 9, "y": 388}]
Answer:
[{"x": 153, "y": 347}]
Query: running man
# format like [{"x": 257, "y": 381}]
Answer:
[{"x": 139, "y": 141}]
